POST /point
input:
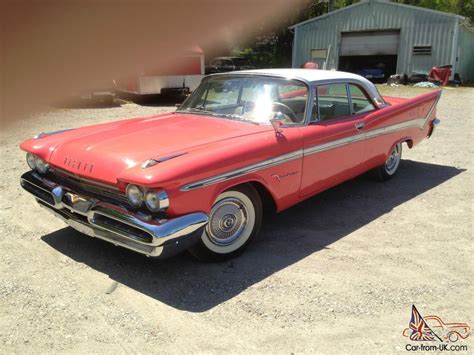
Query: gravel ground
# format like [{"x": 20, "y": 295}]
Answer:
[{"x": 336, "y": 274}]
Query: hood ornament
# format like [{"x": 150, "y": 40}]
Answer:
[{"x": 152, "y": 162}]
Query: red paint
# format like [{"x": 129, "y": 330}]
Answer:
[{"x": 113, "y": 153}]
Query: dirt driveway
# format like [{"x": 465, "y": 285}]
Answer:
[{"x": 338, "y": 273}]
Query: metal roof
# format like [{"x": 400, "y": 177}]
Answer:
[{"x": 382, "y": 2}]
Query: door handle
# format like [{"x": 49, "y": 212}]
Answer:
[{"x": 359, "y": 125}]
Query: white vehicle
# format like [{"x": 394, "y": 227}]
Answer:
[{"x": 179, "y": 81}]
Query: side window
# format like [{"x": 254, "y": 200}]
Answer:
[
  {"x": 332, "y": 101},
  {"x": 360, "y": 102}
]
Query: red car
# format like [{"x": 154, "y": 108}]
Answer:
[
  {"x": 449, "y": 332},
  {"x": 197, "y": 178}
]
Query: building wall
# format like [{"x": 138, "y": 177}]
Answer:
[
  {"x": 466, "y": 54},
  {"x": 417, "y": 27}
]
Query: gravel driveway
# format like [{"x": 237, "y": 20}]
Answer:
[{"x": 337, "y": 273}]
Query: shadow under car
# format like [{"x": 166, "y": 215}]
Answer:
[{"x": 308, "y": 227}]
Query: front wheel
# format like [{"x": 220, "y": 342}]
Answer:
[
  {"x": 390, "y": 168},
  {"x": 234, "y": 222}
]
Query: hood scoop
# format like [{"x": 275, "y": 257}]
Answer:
[{"x": 154, "y": 161}]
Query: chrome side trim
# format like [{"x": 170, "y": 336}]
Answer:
[
  {"x": 243, "y": 171},
  {"x": 360, "y": 136},
  {"x": 416, "y": 123},
  {"x": 333, "y": 144}
]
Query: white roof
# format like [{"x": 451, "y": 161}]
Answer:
[
  {"x": 312, "y": 76},
  {"x": 309, "y": 75}
]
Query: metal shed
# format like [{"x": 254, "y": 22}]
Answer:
[{"x": 381, "y": 34}]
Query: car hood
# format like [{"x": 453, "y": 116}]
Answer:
[{"x": 103, "y": 152}]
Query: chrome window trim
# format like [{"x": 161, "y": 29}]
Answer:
[{"x": 306, "y": 83}]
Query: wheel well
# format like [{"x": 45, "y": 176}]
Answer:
[
  {"x": 409, "y": 143},
  {"x": 268, "y": 202}
]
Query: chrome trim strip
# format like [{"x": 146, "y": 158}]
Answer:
[
  {"x": 360, "y": 136},
  {"x": 243, "y": 171},
  {"x": 333, "y": 144}
]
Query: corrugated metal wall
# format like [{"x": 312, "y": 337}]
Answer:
[
  {"x": 417, "y": 27},
  {"x": 466, "y": 54}
]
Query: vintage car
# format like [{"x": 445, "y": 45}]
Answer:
[
  {"x": 198, "y": 178},
  {"x": 449, "y": 332},
  {"x": 227, "y": 64}
]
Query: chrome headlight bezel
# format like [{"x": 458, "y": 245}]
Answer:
[
  {"x": 137, "y": 198},
  {"x": 157, "y": 200},
  {"x": 41, "y": 166},
  {"x": 36, "y": 163},
  {"x": 31, "y": 160}
]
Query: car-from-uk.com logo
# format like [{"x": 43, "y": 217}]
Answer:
[{"x": 431, "y": 333}]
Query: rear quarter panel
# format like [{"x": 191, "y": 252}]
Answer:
[{"x": 407, "y": 120}]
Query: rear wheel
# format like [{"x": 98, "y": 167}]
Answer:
[
  {"x": 234, "y": 222},
  {"x": 390, "y": 168}
]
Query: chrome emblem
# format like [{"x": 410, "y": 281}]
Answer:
[
  {"x": 281, "y": 177},
  {"x": 75, "y": 198},
  {"x": 78, "y": 165}
]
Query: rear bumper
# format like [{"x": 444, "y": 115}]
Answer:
[
  {"x": 435, "y": 123},
  {"x": 116, "y": 224}
]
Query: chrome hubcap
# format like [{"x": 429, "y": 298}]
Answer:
[
  {"x": 393, "y": 160},
  {"x": 227, "y": 221}
]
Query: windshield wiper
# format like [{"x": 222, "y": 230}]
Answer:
[
  {"x": 197, "y": 110},
  {"x": 237, "y": 118},
  {"x": 217, "y": 114}
]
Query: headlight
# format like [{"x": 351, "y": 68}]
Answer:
[
  {"x": 31, "y": 160},
  {"x": 156, "y": 200},
  {"x": 41, "y": 166},
  {"x": 134, "y": 195},
  {"x": 36, "y": 163}
]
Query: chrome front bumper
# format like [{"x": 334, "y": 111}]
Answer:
[{"x": 116, "y": 224}]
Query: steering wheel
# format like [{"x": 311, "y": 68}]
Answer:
[{"x": 289, "y": 112}]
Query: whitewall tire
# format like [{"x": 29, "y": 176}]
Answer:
[{"x": 234, "y": 221}]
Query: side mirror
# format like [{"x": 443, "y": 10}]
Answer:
[{"x": 277, "y": 122}]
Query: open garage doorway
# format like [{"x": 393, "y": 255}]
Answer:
[{"x": 372, "y": 54}]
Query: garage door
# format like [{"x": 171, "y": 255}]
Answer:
[{"x": 369, "y": 43}]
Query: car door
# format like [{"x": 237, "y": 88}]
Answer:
[{"x": 333, "y": 142}]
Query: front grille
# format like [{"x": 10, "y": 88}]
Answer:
[
  {"x": 122, "y": 228},
  {"x": 88, "y": 188},
  {"x": 37, "y": 191}
]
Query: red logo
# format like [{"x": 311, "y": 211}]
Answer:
[
  {"x": 78, "y": 165},
  {"x": 433, "y": 328}
]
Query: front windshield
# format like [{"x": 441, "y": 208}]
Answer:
[{"x": 252, "y": 99}]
